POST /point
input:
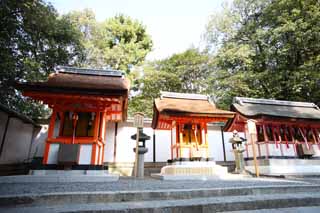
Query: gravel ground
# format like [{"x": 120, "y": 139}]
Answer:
[{"x": 130, "y": 184}]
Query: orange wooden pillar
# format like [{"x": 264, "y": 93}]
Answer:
[
  {"x": 102, "y": 133},
  {"x": 50, "y": 135},
  {"x": 179, "y": 152},
  {"x": 96, "y": 138}
]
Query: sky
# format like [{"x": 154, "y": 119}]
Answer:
[{"x": 174, "y": 25}]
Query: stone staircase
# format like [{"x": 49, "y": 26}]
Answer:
[{"x": 173, "y": 200}]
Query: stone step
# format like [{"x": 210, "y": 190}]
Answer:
[
  {"x": 208, "y": 204},
  {"x": 50, "y": 199},
  {"x": 309, "y": 209}
]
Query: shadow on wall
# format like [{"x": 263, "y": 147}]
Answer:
[{"x": 37, "y": 148}]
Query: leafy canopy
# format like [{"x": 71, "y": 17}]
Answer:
[
  {"x": 33, "y": 40},
  {"x": 266, "y": 49},
  {"x": 184, "y": 72},
  {"x": 119, "y": 42}
]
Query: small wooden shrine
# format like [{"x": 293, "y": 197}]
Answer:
[
  {"x": 187, "y": 116},
  {"x": 82, "y": 102},
  {"x": 277, "y": 130}
]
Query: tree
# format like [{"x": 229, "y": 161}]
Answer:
[
  {"x": 33, "y": 40},
  {"x": 184, "y": 72},
  {"x": 192, "y": 69},
  {"x": 148, "y": 88},
  {"x": 118, "y": 42},
  {"x": 272, "y": 52}
]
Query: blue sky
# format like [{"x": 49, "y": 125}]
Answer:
[{"x": 174, "y": 25}]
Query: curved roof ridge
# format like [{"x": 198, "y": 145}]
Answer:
[
  {"x": 191, "y": 96},
  {"x": 243, "y": 100}
]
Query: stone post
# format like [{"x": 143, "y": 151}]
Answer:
[{"x": 141, "y": 152}]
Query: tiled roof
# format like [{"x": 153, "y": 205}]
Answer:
[
  {"x": 91, "y": 81},
  {"x": 252, "y": 107}
]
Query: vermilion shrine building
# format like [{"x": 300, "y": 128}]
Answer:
[
  {"x": 82, "y": 102},
  {"x": 187, "y": 116},
  {"x": 285, "y": 134}
]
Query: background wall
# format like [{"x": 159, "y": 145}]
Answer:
[
  {"x": 16, "y": 137},
  {"x": 124, "y": 143}
]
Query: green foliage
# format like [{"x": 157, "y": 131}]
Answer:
[
  {"x": 272, "y": 51},
  {"x": 118, "y": 42},
  {"x": 185, "y": 72},
  {"x": 33, "y": 40}
]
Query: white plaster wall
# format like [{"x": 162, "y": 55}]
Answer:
[
  {"x": 85, "y": 154},
  {"x": 17, "y": 142},
  {"x": 125, "y": 144},
  {"x": 109, "y": 142},
  {"x": 316, "y": 150},
  {"x": 148, "y": 157},
  {"x": 288, "y": 151},
  {"x": 215, "y": 144},
  {"x": 274, "y": 151},
  {"x": 53, "y": 153},
  {"x": 163, "y": 144}
]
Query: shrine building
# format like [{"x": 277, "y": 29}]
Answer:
[
  {"x": 82, "y": 101},
  {"x": 187, "y": 116},
  {"x": 283, "y": 136}
]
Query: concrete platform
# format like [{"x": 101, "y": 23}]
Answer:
[
  {"x": 61, "y": 176},
  {"x": 199, "y": 177},
  {"x": 286, "y": 167},
  {"x": 192, "y": 170}
]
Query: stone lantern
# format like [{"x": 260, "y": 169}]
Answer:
[
  {"x": 141, "y": 150},
  {"x": 238, "y": 150}
]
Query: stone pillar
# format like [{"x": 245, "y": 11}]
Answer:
[{"x": 141, "y": 152}]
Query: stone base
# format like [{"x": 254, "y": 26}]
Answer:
[
  {"x": 186, "y": 170},
  {"x": 58, "y": 178},
  {"x": 121, "y": 168},
  {"x": 185, "y": 177},
  {"x": 69, "y": 172},
  {"x": 286, "y": 167},
  {"x": 61, "y": 176}
]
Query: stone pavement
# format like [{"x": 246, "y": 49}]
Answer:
[
  {"x": 311, "y": 209},
  {"x": 131, "y": 184},
  {"x": 150, "y": 195}
]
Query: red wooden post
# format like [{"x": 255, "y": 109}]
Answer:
[
  {"x": 274, "y": 137},
  {"x": 285, "y": 136},
  {"x": 293, "y": 139},
  {"x": 266, "y": 139}
]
